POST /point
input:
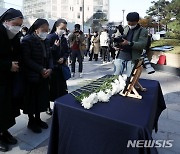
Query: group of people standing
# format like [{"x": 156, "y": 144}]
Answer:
[
  {"x": 98, "y": 45},
  {"x": 31, "y": 72},
  {"x": 32, "y": 64}
]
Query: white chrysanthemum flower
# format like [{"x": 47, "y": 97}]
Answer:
[
  {"x": 103, "y": 97},
  {"x": 86, "y": 103},
  {"x": 122, "y": 87},
  {"x": 114, "y": 88},
  {"x": 122, "y": 81},
  {"x": 93, "y": 98},
  {"x": 124, "y": 76},
  {"x": 117, "y": 82},
  {"x": 109, "y": 92}
]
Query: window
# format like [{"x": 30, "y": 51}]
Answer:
[
  {"x": 81, "y": 9},
  {"x": 78, "y": 16},
  {"x": 98, "y": 2}
]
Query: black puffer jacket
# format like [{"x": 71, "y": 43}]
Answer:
[
  {"x": 33, "y": 58},
  {"x": 61, "y": 51},
  {"x": 6, "y": 56}
]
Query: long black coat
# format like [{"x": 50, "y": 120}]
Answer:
[
  {"x": 37, "y": 88},
  {"x": 9, "y": 52},
  {"x": 58, "y": 86}
]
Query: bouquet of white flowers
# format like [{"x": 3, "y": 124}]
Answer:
[{"x": 109, "y": 87}]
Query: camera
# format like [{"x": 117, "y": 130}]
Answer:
[
  {"x": 146, "y": 63},
  {"x": 77, "y": 31},
  {"x": 117, "y": 40}
]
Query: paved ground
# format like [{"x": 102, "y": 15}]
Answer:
[{"x": 169, "y": 122}]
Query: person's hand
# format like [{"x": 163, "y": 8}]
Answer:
[
  {"x": 43, "y": 71},
  {"x": 46, "y": 73},
  {"x": 61, "y": 60},
  {"x": 57, "y": 43},
  {"x": 116, "y": 48},
  {"x": 124, "y": 43},
  {"x": 14, "y": 67}
]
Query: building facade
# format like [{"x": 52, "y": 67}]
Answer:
[
  {"x": 71, "y": 10},
  {"x": 2, "y": 3}
]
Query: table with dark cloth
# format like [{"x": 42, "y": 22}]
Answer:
[{"x": 106, "y": 127}]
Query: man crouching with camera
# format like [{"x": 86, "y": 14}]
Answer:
[{"x": 131, "y": 45}]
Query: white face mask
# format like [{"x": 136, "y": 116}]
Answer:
[
  {"x": 60, "y": 32},
  {"x": 24, "y": 33},
  {"x": 43, "y": 35},
  {"x": 132, "y": 27},
  {"x": 12, "y": 30},
  {"x": 15, "y": 29}
]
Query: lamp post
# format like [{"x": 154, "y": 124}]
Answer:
[
  {"x": 158, "y": 20},
  {"x": 83, "y": 16},
  {"x": 123, "y": 17}
]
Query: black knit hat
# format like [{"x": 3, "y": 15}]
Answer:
[
  {"x": 133, "y": 16},
  {"x": 11, "y": 14},
  {"x": 38, "y": 23}
]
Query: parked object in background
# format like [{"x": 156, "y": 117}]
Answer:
[
  {"x": 162, "y": 48},
  {"x": 162, "y": 60}
]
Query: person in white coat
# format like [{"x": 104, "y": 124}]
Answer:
[{"x": 104, "y": 43}]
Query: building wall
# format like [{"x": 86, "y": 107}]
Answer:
[
  {"x": 71, "y": 10},
  {"x": 37, "y": 8},
  {"x": 2, "y": 3}
]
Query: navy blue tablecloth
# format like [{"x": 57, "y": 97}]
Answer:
[{"x": 106, "y": 127}]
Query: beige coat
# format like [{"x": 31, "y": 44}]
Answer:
[{"x": 95, "y": 42}]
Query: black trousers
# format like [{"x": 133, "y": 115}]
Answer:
[
  {"x": 76, "y": 55},
  {"x": 105, "y": 53}
]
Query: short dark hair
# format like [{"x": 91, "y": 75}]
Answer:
[
  {"x": 25, "y": 28},
  {"x": 77, "y": 26},
  {"x": 133, "y": 16},
  {"x": 121, "y": 29}
]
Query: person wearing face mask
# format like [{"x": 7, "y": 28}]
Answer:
[
  {"x": 77, "y": 46},
  {"x": 95, "y": 42},
  {"x": 134, "y": 41},
  {"x": 60, "y": 54},
  {"x": 10, "y": 24},
  {"x": 23, "y": 33},
  {"x": 38, "y": 64}
]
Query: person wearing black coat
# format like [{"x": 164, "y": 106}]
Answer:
[
  {"x": 10, "y": 24},
  {"x": 37, "y": 60},
  {"x": 60, "y": 53}
]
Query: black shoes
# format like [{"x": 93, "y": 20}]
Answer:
[
  {"x": 3, "y": 146},
  {"x": 33, "y": 126},
  {"x": 37, "y": 125},
  {"x": 6, "y": 139},
  {"x": 42, "y": 124}
]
